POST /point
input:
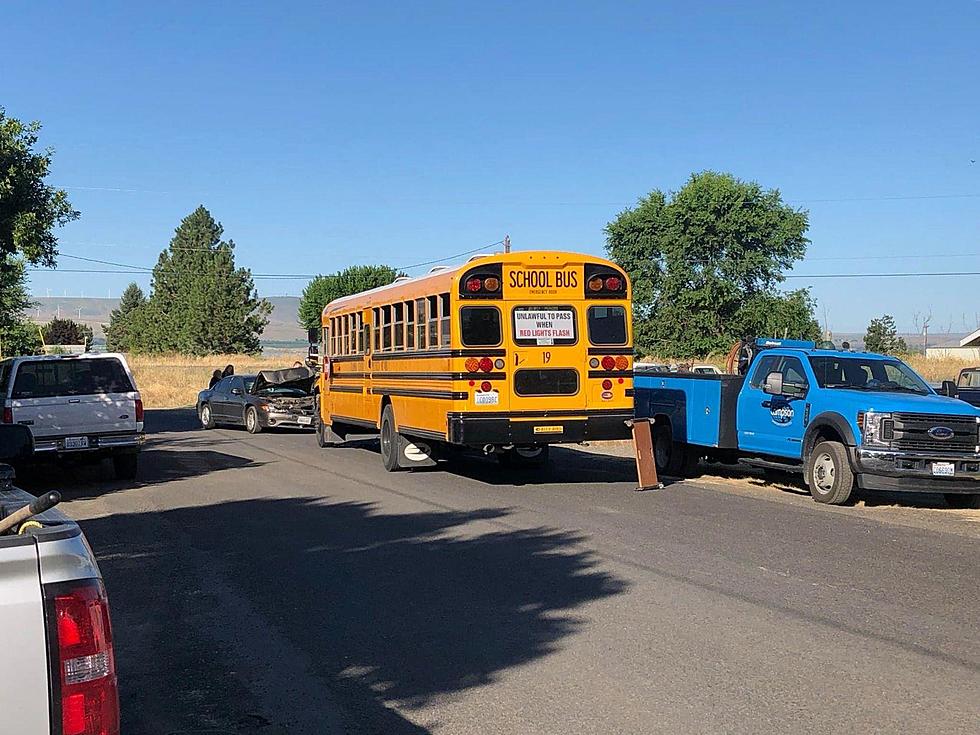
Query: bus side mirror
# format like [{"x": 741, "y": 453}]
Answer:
[
  {"x": 948, "y": 389},
  {"x": 313, "y": 335},
  {"x": 774, "y": 384}
]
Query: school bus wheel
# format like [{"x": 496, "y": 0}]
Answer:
[{"x": 389, "y": 440}]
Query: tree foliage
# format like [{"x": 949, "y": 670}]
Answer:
[
  {"x": 200, "y": 303},
  {"x": 882, "y": 337},
  {"x": 705, "y": 263},
  {"x": 67, "y": 332},
  {"x": 29, "y": 209},
  {"x": 323, "y": 289},
  {"x": 118, "y": 331}
]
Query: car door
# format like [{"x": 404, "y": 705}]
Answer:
[
  {"x": 221, "y": 399},
  {"x": 774, "y": 425}
]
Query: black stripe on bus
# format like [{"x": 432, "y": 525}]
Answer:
[
  {"x": 422, "y": 354},
  {"x": 417, "y": 355},
  {"x": 345, "y": 389},
  {"x": 437, "y": 376},
  {"x": 630, "y": 392},
  {"x": 342, "y": 375},
  {"x": 422, "y": 433},
  {"x": 610, "y": 373},
  {"x": 420, "y": 393},
  {"x": 541, "y": 414},
  {"x": 354, "y": 422},
  {"x": 347, "y": 358},
  {"x": 610, "y": 350}
]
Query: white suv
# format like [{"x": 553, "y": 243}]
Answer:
[{"x": 76, "y": 405}]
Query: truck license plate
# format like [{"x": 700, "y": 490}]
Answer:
[
  {"x": 76, "y": 442},
  {"x": 944, "y": 469},
  {"x": 304, "y": 421}
]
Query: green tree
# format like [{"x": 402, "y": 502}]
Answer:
[
  {"x": 29, "y": 208},
  {"x": 705, "y": 263},
  {"x": 117, "y": 331},
  {"x": 67, "y": 332},
  {"x": 323, "y": 289},
  {"x": 882, "y": 337},
  {"x": 200, "y": 303}
]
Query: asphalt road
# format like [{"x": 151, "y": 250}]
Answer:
[{"x": 262, "y": 585}]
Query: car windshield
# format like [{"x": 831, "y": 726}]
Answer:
[{"x": 867, "y": 373}]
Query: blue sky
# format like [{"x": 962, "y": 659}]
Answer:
[{"x": 364, "y": 132}]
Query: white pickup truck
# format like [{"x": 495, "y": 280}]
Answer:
[
  {"x": 58, "y": 671},
  {"x": 81, "y": 406}
]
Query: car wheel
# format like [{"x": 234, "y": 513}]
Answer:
[
  {"x": 207, "y": 418},
  {"x": 962, "y": 500},
  {"x": 389, "y": 440},
  {"x": 125, "y": 466},
  {"x": 828, "y": 473},
  {"x": 252, "y": 420}
]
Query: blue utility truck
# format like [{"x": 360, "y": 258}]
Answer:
[{"x": 844, "y": 419}]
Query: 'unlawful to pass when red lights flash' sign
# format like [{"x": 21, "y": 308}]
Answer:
[{"x": 544, "y": 326}]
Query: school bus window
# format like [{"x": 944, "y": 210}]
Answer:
[
  {"x": 546, "y": 382},
  {"x": 385, "y": 328},
  {"x": 399, "y": 325},
  {"x": 433, "y": 313},
  {"x": 410, "y": 325},
  {"x": 444, "y": 333},
  {"x": 377, "y": 330},
  {"x": 480, "y": 326},
  {"x": 420, "y": 323}
]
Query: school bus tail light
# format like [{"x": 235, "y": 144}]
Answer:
[
  {"x": 614, "y": 283},
  {"x": 609, "y": 362},
  {"x": 474, "y": 285},
  {"x": 595, "y": 284},
  {"x": 486, "y": 364},
  {"x": 622, "y": 363},
  {"x": 485, "y": 386},
  {"x": 472, "y": 365}
]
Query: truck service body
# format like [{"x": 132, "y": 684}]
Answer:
[{"x": 843, "y": 418}]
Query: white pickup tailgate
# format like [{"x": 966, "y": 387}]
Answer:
[
  {"x": 24, "y": 663},
  {"x": 81, "y": 396}
]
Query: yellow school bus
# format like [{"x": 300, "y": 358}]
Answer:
[{"x": 508, "y": 353}]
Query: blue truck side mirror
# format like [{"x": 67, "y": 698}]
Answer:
[{"x": 774, "y": 384}]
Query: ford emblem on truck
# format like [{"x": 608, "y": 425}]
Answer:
[{"x": 941, "y": 432}]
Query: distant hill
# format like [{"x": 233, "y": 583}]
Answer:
[{"x": 283, "y": 329}]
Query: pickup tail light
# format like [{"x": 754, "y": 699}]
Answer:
[
  {"x": 83, "y": 669},
  {"x": 8, "y": 415},
  {"x": 139, "y": 410}
]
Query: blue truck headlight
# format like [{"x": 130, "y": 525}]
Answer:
[{"x": 877, "y": 429}]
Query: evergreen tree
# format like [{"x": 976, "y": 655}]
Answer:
[
  {"x": 323, "y": 289},
  {"x": 117, "y": 331},
  {"x": 882, "y": 337},
  {"x": 67, "y": 332},
  {"x": 201, "y": 304}
]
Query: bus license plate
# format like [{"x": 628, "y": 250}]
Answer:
[
  {"x": 76, "y": 442},
  {"x": 304, "y": 421},
  {"x": 548, "y": 429},
  {"x": 944, "y": 469},
  {"x": 490, "y": 398}
]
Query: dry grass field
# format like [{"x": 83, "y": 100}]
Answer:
[{"x": 170, "y": 381}]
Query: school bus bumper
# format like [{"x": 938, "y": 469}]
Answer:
[{"x": 539, "y": 427}]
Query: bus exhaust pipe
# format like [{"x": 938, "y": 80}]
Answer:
[{"x": 489, "y": 449}]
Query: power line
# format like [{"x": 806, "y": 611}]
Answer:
[
  {"x": 885, "y": 275},
  {"x": 449, "y": 257}
]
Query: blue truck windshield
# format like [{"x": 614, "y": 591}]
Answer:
[{"x": 867, "y": 373}]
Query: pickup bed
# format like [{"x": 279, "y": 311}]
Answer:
[
  {"x": 843, "y": 419},
  {"x": 966, "y": 387},
  {"x": 58, "y": 671}
]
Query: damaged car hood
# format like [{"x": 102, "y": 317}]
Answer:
[{"x": 297, "y": 378}]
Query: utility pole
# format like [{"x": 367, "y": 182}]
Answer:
[{"x": 506, "y": 243}]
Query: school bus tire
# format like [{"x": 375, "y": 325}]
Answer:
[
  {"x": 527, "y": 458},
  {"x": 390, "y": 445}
]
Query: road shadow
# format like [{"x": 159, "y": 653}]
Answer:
[
  {"x": 379, "y": 609},
  {"x": 793, "y": 484}
]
